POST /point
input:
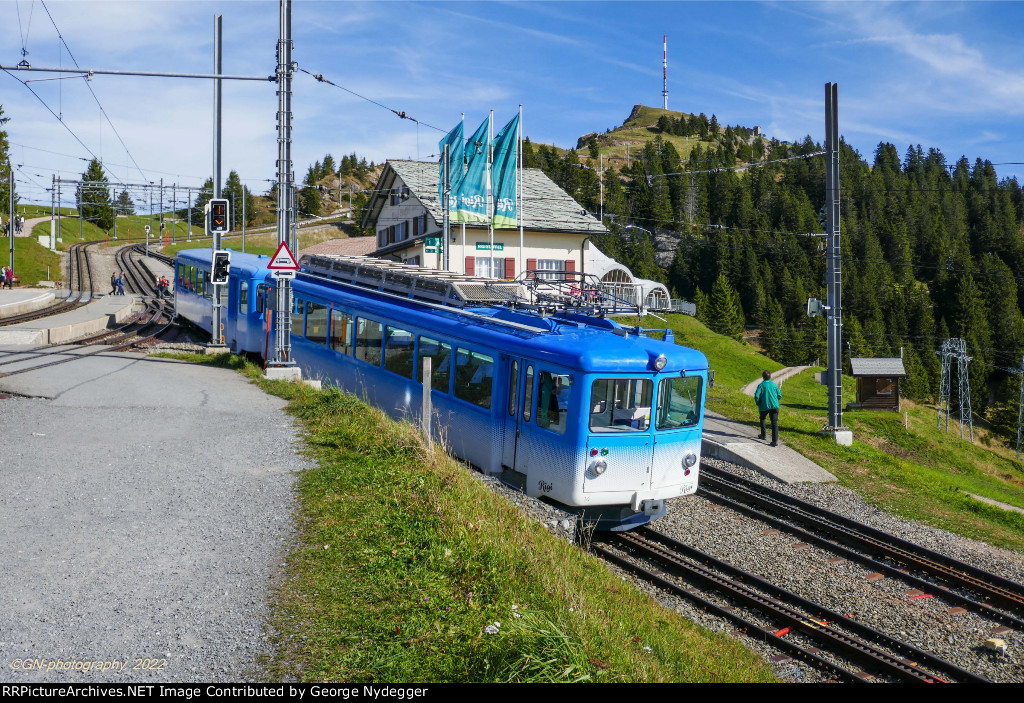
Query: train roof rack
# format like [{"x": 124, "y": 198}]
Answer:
[
  {"x": 445, "y": 287},
  {"x": 543, "y": 292}
]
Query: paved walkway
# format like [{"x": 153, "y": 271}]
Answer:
[{"x": 738, "y": 442}]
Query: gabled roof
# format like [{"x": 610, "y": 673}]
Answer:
[
  {"x": 879, "y": 366},
  {"x": 351, "y": 246},
  {"x": 545, "y": 206}
]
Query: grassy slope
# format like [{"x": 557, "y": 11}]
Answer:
[
  {"x": 921, "y": 472},
  {"x": 404, "y": 557}
]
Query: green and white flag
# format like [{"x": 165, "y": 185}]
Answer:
[
  {"x": 456, "y": 148},
  {"x": 469, "y": 193},
  {"x": 505, "y": 163}
]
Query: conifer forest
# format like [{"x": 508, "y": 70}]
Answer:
[{"x": 930, "y": 249}]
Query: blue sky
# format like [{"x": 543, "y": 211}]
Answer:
[{"x": 940, "y": 74}]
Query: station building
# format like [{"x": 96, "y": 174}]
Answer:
[{"x": 406, "y": 215}]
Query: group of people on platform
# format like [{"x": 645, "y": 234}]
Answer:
[
  {"x": 116, "y": 283},
  {"x": 19, "y": 224},
  {"x": 6, "y": 277}
]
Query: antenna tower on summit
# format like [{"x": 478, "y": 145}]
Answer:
[{"x": 664, "y": 67}]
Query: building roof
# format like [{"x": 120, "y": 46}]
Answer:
[
  {"x": 349, "y": 246},
  {"x": 878, "y": 366},
  {"x": 545, "y": 206}
]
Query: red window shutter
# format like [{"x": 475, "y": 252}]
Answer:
[
  {"x": 470, "y": 266},
  {"x": 531, "y": 265},
  {"x": 570, "y": 268},
  {"x": 510, "y": 268}
]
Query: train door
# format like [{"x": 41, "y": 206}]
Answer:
[{"x": 515, "y": 382}]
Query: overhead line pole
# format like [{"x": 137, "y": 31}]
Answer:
[
  {"x": 834, "y": 374},
  {"x": 280, "y": 364},
  {"x": 217, "y": 334}
]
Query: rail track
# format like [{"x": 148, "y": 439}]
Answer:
[
  {"x": 960, "y": 583},
  {"x": 80, "y": 285},
  {"x": 793, "y": 624},
  {"x": 141, "y": 328}
]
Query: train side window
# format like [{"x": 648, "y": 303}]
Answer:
[
  {"x": 528, "y": 394},
  {"x": 513, "y": 386},
  {"x": 316, "y": 323},
  {"x": 261, "y": 294},
  {"x": 368, "y": 338},
  {"x": 553, "y": 401},
  {"x": 207, "y": 288},
  {"x": 678, "y": 402},
  {"x": 474, "y": 376},
  {"x": 298, "y": 316},
  {"x": 341, "y": 332},
  {"x": 191, "y": 283},
  {"x": 441, "y": 356},
  {"x": 400, "y": 352},
  {"x": 620, "y": 404},
  {"x": 243, "y": 297}
]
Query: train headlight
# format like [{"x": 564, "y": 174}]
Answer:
[
  {"x": 660, "y": 362},
  {"x": 689, "y": 460},
  {"x": 599, "y": 466}
]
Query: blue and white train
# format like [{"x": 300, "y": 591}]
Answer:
[{"x": 573, "y": 408}]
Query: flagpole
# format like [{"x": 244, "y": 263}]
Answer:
[
  {"x": 462, "y": 172},
  {"x": 519, "y": 188},
  {"x": 490, "y": 209},
  {"x": 447, "y": 222}
]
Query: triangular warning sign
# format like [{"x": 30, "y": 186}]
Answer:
[{"x": 283, "y": 259}]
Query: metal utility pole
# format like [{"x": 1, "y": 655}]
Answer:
[
  {"x": 114, "y": 200},
  {"x": 150, "y": 218},
  {"x": 53, "y": 212},
  {"x": 217, "y": 332},
  {"x": 964, "y": 389},
  {"x": 160, "y": 232},
  {"x": 189, "y": 215},
  {"x": 174, "y": 211},
  {"x": 10, "y": 192},
  {"x": 834, "y": 321},
  {"x": 243, "y": 218},
  {"x": 664, "y": 68},
  {"x": 956, "y": 348},
  {"x": 280, "y": 365}
]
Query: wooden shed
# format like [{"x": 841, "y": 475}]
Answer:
[{"x": 878, "y": 383}]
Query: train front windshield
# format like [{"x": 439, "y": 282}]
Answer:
[{"x": 624, "y": 404}]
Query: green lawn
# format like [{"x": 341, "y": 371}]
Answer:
[{"x": 920, "y": 472}]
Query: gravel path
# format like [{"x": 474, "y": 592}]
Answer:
[
  {"x": 146, "y": 506},
  {"x": 838, "y": 584}
]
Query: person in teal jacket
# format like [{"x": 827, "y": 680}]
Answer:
[{"x": 767, "y": 397}]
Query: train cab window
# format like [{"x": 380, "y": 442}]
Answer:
[
  {"x": 553, "y": 401},
  {"x": 513, "y": 386},
  {"x": 316, "y": 322},
  {"x": 243, "y": 297},
  {"x": 298, "y": 316},
  {"x": 400, "y": 352},
  {"x": 528, "y": 394},
  {"x": 678, "y": 402},
  {"x": 440, "y": 355},
  {"x": 341, "y": 332},
  {"x": 368, "y": 338},
  {"x": 620, "y": 404},
  {"x": 474, "y": 376}
]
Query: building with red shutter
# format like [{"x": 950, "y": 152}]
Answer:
[{"x": 406, "y": 216}]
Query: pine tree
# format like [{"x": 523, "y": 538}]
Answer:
[
  {"x": 202, "y": 198},
  {"x": 125, "y": 204},
  {"x": 5, "y": 165},
  {"x": 93, "y": 196},
  {"x": 724, "y": 314},
  {"x": 234, "y": 193}
]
